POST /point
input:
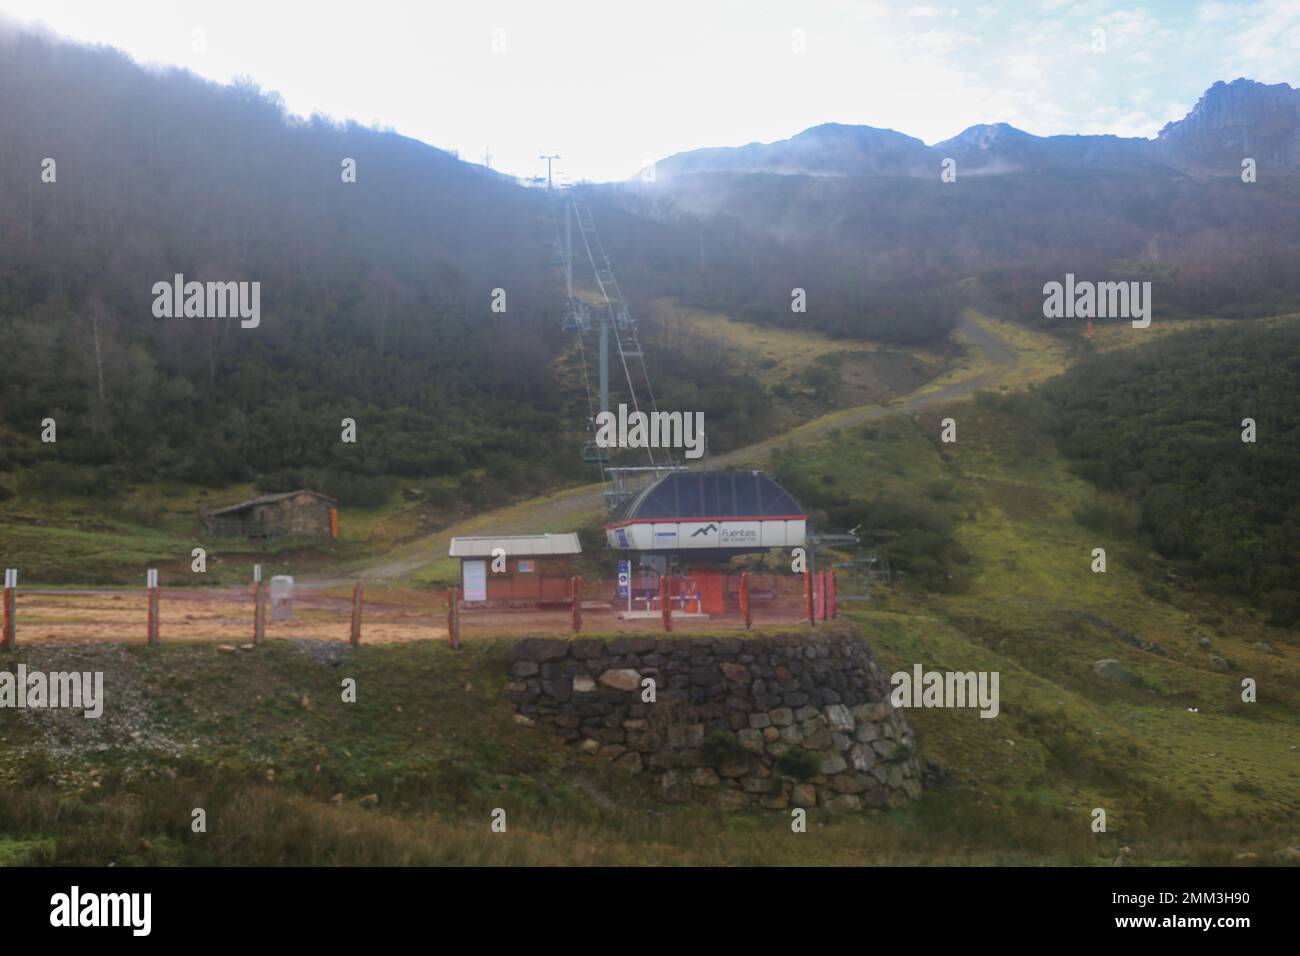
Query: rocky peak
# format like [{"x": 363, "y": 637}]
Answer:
[{"x": 1238, "y": 119}]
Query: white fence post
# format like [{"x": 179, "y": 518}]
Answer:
[{"x": 151, "y": 582}]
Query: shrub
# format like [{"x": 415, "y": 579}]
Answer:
[
  {"x": 799, "y": 763},
  {"x": 1121, "y": 518},
  {"x": 350, "y": 489},
  {"x": 721, "y": 747},
  {"x": 51, "y": 479}
]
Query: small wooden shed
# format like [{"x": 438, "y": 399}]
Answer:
[
  {"x": 296, "y": 514},
  {"x": 519, "y": 570}
]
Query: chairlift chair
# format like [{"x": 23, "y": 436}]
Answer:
[
  {"x": 578, "y": 318},
  {"x": 593, "y": 452}
]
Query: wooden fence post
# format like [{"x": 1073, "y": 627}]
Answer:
[
  {"x": 744, "y": 599},
  {"x": 259, "y": 606},
  {"x": 9, "y": 634},
  {"x": 151, "y": 582},
  {"x": 453, "y": 618},
  {"x": 358, "y": 599},
  {"x": 575, "y": 595},
  {"x": 259, "y": 613}
]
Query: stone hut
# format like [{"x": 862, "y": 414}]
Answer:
[{"x": 297, "y": 514}]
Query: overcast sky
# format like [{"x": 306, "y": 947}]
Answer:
[{"x": 609, "y": 84}]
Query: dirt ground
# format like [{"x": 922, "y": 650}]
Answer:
[
  {"x": 222, "y": 616},
  {"x": 389, "y": 616}
]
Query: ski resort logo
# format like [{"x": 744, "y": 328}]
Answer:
[
  {"x": 1098, "y": 300},
  {"x": 37, "y": 690},
  {"x": 683, "y": 430},
  {"x": 133, "y": 910},
  {"x": 208, "y": 300},
  {"x": 924, "y": 688}
]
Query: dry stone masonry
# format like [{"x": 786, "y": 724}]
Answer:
[{"x": 792, "y": 720}]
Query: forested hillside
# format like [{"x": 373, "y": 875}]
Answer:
[
  {"x": 1163, "y": 425},
  {"x": 376, "y": 299},
  {"x": 375, "y": 294},
  {"x": 890, "y": 256}
]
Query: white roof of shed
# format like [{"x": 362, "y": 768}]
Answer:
[{"x": 522, "y": 545}]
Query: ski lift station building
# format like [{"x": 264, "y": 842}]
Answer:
[
  {"x": 708, "y": 516},
  {"x": 537, "y": 568}
]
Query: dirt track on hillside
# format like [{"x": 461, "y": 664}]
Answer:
[{"x": 558, "y": 511}]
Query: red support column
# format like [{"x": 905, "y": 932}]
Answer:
[
  {"x": 575, "y": 595},
  {"x": 808, "y": 597},
  {"x": 665, "y": 605},
  {"x": 453, "y": 619},
  {"x": 744, "y": 599}
]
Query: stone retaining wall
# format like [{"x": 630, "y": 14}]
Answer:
[{"x": 792, "y": 720}]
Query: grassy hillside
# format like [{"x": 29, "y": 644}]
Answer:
[
  {"x": 1023, "y": 600},
  {"x": 411, "y": 772},
  {"x": 786, "y": 355},
  {"x": 64, "y": 539}
]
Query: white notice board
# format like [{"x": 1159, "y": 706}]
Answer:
[{"x": 474, "y": 581}]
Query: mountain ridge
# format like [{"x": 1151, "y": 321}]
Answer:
[{"x": 1229, "y": 122}]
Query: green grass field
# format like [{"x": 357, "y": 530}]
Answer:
[{"x": 1187, "y": 772}]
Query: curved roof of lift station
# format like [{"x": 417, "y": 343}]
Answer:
[{"x": 709, "y": 496}]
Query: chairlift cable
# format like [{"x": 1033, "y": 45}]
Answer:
[{"x": 605, "y": 284}]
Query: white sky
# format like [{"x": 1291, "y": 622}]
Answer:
[{"x": 609, "y": 84}]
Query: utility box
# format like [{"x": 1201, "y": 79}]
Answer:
[{"x": 281, "y": 597}]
